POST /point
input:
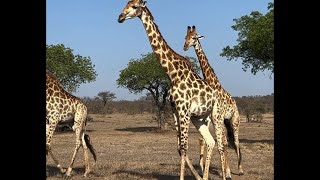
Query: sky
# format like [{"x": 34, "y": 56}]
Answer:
[{"x": 91, "y": 29}]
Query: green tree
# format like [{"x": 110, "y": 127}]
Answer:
[
  {"x": 70, "y": 69},
  {"x": 146, "y": 73},
  {"x": 105, "y": 96},
  {"x": 255, "y": 41}
]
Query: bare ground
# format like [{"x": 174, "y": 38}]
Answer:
[{"x": 130, "y": 147}]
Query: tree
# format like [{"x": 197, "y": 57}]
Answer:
[
  {"x": 105, "y": 96},
  {"x": 146, "y": 73},
  {"x": 70, "y": 69},
  {"x": 255, "y": 41}
]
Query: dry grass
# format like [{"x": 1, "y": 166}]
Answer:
[{"x": 129, "y": 147}]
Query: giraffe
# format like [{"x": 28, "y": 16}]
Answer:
[
  {"x": 229, "y": 108},
  {"x": 192, "y": 99},
  {"x": 63, "y": 107}
]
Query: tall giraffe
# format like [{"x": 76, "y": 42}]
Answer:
[
  {"x": 229, "y": 108},
  {"x": 192, "y": 98},
  {"x": 63, "y": 107}
]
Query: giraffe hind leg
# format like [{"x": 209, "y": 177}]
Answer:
[
  {"x": 235, "y": 122},
  {"x": 225, "y": 147},
  {"x": 219, "y": 131},
  {"x": 79, "y": 122},
  {"x": 203, "y": 129},
  {"x": 202, "y": 146},
  {"x": 86, "y": 156}
]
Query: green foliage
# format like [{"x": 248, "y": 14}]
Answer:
[
  {"x": 147, "y": 74},
  {"x": 70, "y": 69},
  {"x": 255, "y": 41}
]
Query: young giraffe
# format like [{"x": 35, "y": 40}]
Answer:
[
  {"x": 62, "y": 107},
  {"x": 229, "y": 107},
  {"x": 192, "y": 98}
]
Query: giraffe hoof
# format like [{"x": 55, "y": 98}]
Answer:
[
  {"x": 228, "y": 178},
  {"x": 241, "y": 173},
  {"x": 67, "y": 176},
  {"x": 63, "y": 170},
  {"x": 86, "y": 174}
]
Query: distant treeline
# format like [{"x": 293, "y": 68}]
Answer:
[
  {"x": 252, "y": 107},
  {"x": 249, "y": 106}
]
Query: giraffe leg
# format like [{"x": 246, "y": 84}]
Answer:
[
  {"x": 218, "y": 125},
  {"x": 203, "y": 129},
  {"x": 177, "y": 130},
  {"x": 62, "y": 170},
  {"x": 225, "y": 148},
  {"x": 79, "y": 132},
  {"x": 86, "y": 156},
  {"x": 83, "y": 115},
  {"x": 202, "y": 145},
  {"x": 50, "y": 128},
  {"x": 184, "y": 129},
  {"x": 235, "y": 122},
  {"x": 79, "y": 123}
]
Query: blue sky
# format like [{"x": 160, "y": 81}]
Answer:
[{"x": 91, "y": 29}]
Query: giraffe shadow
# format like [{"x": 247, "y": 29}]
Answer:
[
  {"x": 251, "y": 141},
  {"x": 153, "y": 175},
  {"x": 53, "y": 171},
  {"x": 140, "y": 129}
]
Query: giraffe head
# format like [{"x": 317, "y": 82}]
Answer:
[
  {"x": 192, "y": 38},
  {"x": 133, "y": 9}
]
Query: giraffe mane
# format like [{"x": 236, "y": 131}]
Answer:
[
  {"x": 53, "y": 78},
  {"x": 174, "y": 53}
]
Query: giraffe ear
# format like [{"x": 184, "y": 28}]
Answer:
[
  {"x": 200, "y": 37},
  {"x": 188, "y": 29},
  {"x": 143, "y": 3},
  {"x": 193, "y": 28}
]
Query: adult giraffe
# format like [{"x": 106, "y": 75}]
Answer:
[
  {"x": 61, "y": 107},
  {"x": 229, "y": 107},
  {"x": 192, "y": 98}
]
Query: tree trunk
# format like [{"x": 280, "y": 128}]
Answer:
[{"x": 162, "y": 120}]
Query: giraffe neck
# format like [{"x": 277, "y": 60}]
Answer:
[
  {"x": 176, "y": 66},
  {"x": 207, "y": 71}
]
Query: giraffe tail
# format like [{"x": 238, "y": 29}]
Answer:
[
  {"x": 90, "y": 146},
  {"x": 230, "y": 133}
]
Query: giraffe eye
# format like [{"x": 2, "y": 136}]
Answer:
[{"x": 134, "y": 7}]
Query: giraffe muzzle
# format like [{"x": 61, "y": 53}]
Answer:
[{"x": 121, "y": 18}]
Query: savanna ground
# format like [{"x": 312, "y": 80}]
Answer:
[{"x": 130, "y": 147}]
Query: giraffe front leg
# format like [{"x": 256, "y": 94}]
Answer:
[
  {"x": 50, "y": 128},
  {"x": 176, "y": 124},
  {"x": 184, "y": 130}
]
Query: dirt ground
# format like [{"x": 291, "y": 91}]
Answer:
[{"x": 130, "y": 147}]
